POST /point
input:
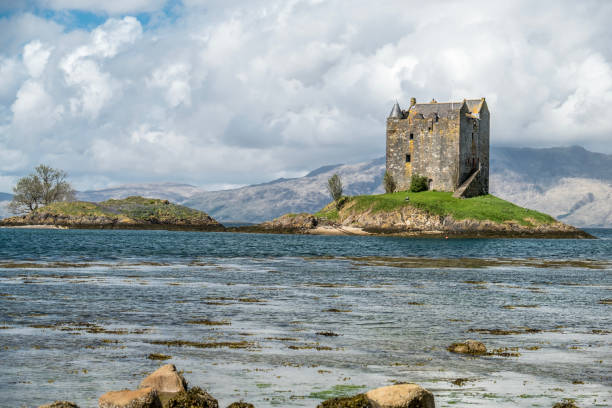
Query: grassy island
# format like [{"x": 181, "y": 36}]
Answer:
[
  {"x": 428, "y": 213},
  {"x": 132, "y": 212},
  {"x": 482, "y": 208}
]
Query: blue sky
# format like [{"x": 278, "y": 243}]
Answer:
[{"x": 220, "y": 93}]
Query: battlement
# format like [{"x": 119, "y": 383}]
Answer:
[{"x": 446, "y": 142}]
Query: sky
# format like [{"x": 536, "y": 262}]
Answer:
[{"x": 223, "y": 93}]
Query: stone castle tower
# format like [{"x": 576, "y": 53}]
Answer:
[{"x": 446, "y": 142}]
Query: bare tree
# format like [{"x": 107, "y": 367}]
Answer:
[
  {"x": 45, "y": 186},
  {"x": 334, "y": 186},
  {"x": 389, "y": 183}
]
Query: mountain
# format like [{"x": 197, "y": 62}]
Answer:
[
  {"x": 174, "y": 192},
  {"x": 570, "y": 183},
  {"x": 266, "y": 201}
]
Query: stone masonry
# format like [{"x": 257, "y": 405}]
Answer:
[{"x": 446, "y": 142}]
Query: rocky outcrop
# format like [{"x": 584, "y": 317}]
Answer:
[
  {"x": 393, "y": 396},
  {"x": 194, "y": 398},
  {"x": 141, "y": 398},
  {"x": 60, "y": 404},
  {"x": 288, "y": 223},
  {"x": 165, "y": 379},
  {"x": 356, "y": 401},
  {"x": 472, "y": 347},
  {"x": 401, "y": 396}
]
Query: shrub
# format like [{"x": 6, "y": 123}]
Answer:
[
  {"x": 418, "y": 183},
  {"x": 389, "y": 183}
]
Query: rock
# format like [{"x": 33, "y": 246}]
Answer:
[
  {"x": 240, "y": 404},
  {"x": 194, "y": 398},
  {"x": 165, "y": 379},
  {"x": 565, "y": 404},
  {"x": 468, "y": 347},
  {"x": 141, "y": 398},
  {"x": 60, "y": 404},
  {"x": 357, "y": 401},
  {"x": 401, "y": 396}
]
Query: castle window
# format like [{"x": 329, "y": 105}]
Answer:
[
  {"x": 411, "y": 136},
  {"x": 407, "y": 158}
]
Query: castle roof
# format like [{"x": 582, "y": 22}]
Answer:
[
  {"x": 445, "y": 109},
  {"x": 396, "y": 112}
]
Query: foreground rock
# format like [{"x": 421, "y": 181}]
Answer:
[
  {"x": 141, "y": 398},
  {"x": 194, "y": 398},
  {"x": 393, "y": 396},
  {"x": 565, "y": 404},
  {"x": 356, "y": 401},
  {"x": 60, "y": 404},
  {"x": 401, "y": 396},
  {"x": 165, "y": 379},
  {"x": 472, "y": 347}
]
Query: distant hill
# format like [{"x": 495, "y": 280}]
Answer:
[
  {"x": 174, "y": 192},
  {"x": 570, "y": 183}
]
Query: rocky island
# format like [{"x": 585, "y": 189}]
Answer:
[
  {"x": 129, "y": 213},
  {"x": 428, "y": 213}
]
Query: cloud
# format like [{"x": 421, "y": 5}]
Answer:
[
  {"x": 35, "y": 56},
  {"x": 108, "y": 6},
  {"x": 233, "y": 92},
  {"x": 82, "y": 67}
]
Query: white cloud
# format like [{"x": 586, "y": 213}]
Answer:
[
  {"x": 232, "y": 92},
  {"x": 82, "y": 68},
  {"x": 35, "y": 57},
  {"x": 108, "y": 6},
  {"x": 174, "y": 79}
]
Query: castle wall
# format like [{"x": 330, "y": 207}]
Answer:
[
  {"x": 433, "y": 151},
  {"x": 447, "y": 150}
]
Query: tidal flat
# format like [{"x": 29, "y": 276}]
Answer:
[{"x": 285, "y": 320}]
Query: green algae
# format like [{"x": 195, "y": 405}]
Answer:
[
  {"x": 340, "y": 390},
  {"x": 357, "y": 401},
  {"x": 205, "y": 345},
  {"x": 158, "y": 356},
  {"x": 207, "y": 322}
]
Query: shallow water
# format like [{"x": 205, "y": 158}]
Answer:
[{"x": 80, "y": 311}]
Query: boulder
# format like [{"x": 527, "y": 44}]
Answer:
[
  {"x": 165, "y": 379},
  {"x": 60, "y": 404},
  {"x": 565, "y": 404},
  {"x": 141, "y": 398},
  {"x": 240, "y": 404},
  {"x": 356, "y": 401},
  {"x": 401, "y": 396},
  {"x": 468, "y": 347},
  {"x": 194, "y": 398}
]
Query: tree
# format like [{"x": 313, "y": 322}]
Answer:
[
  {"x": 418, "y": 183},
  {"x": 389, "y": 183},
  {"x": 334, "y": 186},
  {"x": 43, "y": 187}
]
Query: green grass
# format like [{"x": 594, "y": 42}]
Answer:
[
  {"x": 136, "y": 208},
  {"x": 328, "y": 212},
  {"x": 75, "y": 209},
  {"x": 481, "y": 208}
]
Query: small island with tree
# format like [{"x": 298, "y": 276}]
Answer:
[{"x": 45, "y": 199}]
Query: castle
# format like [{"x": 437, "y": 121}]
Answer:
[{"x": 448, "y": 143}]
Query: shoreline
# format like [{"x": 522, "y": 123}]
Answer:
[{"x": 325, "y": 230}]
